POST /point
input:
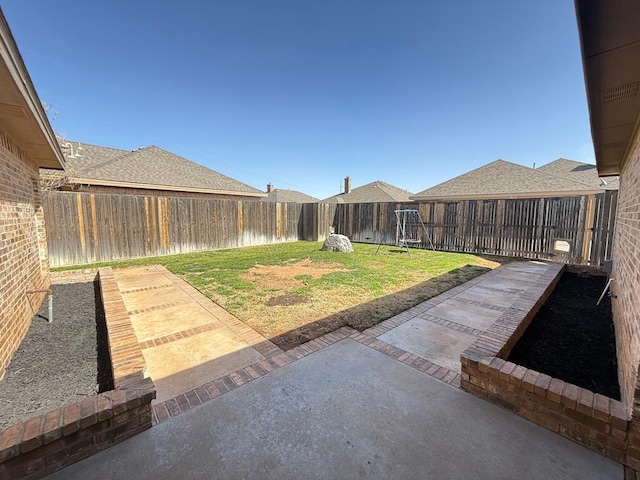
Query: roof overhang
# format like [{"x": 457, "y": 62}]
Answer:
[
  {"x": 171, "y": 188},
  {"x": 610, "y": 43},
  {"x": 503, "y": 196},
  {"x": 21, "y": 113}
]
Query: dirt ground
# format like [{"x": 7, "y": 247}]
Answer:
[
  {"x": 57, "y": 363},
  {"x": 284, "y": 275},
  {"x": 573, "y": 339}
]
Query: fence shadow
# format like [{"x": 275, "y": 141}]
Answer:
[{"x": 368, "y": 314}]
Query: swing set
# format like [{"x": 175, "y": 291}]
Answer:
[{"x": 410, "y": 231}]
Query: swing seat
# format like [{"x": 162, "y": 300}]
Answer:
[{"x": 411, "y": 241}]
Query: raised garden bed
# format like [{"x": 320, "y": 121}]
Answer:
[
  {"x": 61, "y": 436},
  {"x": 594, "y": 420},
  {"x": 58, "y": 362},
  {"x": 572, "y": 338}
]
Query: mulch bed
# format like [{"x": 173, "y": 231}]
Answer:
[
  {"x": 571, "y": 338},
  {"x": 60, "y": 362}
]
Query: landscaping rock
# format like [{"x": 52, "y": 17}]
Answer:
[{"x": 337, "y": 243}]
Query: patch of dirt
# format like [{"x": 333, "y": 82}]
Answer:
[
  {"x": 284, "y": 275},
  {"x": 571, "y": 338},
  {"x": 60, "y": 362},
  {"x": 287, "y": 300},
  {"x": 368, "y": 314}
]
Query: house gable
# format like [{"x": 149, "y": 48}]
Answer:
[
  {"x": 149, "y": 168},
  {"x": 374, "y": 192},
  {"x": 503, "y": 179}
]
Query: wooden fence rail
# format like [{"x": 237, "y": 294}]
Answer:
[
  {"x": 514, "y": 227},
  {"x": 85, "y": 228}
]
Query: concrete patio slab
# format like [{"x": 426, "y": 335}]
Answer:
[
  {"x": 154, "y": 297},
  {"x": 345, "y": 411},
  {"x": 170, "y": 320},
  {"x": 497, "y": 298},
  {"x": 531, "y": 266},
  {"x": 185, "y": 338},
  {"x": 185, "y": 364},
  {"x": 137, "y": 278},
  {"x": 436, "y": 343},
  {"x": 514, "y": 282},
  {"x": 464, "y": 313}
]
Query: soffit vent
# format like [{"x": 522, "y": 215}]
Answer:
[
  {"x": 13, "y": 110},
  {"x": 621, "y": 92}
]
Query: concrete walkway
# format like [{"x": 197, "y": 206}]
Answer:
[
  {"x": 186, "y": 339},
  {"x": 440, "y": 329},
  {"x": 373, "y": 404}
]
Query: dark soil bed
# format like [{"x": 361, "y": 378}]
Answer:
[
  {"x": 571, "y": 338},
  {"x": 60, "y": 362}
]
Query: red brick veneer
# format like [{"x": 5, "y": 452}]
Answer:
[
  {"x": 24, "y": 261},
  {"x": 51, "y": 441}
]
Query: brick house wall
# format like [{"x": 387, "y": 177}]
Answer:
[
  {"x": 23, "y": 246},
  {"x": 626, "y": 275}
]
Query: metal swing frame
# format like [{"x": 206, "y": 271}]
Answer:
[{"x": 402, "y": 230}]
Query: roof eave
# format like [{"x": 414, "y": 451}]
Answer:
[
  {"x": 505, "y": 196},
  {"x": 172, "y": 188},
  {"x": 610, "y": 46},
  {"x": 21, "y": 112}
]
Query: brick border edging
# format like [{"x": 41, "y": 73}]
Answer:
[
  {"x": 73, "y": 276},
  {"x": 186, "y": 401},
  {"x": 592, "y": 420},
  {"x": 54, "y": 440}
]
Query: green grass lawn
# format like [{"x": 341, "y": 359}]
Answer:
[{"x": 292, "y": 292}]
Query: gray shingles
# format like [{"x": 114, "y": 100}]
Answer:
[
  {"x": 151, "y": 166},
  {"x": 580, "y": 172},
  {"x": 289, "y": 196},
  {"x": 372, "y": 192},
  {"x": 502, "y": 179}
]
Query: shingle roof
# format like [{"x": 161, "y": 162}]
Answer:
[
  {"x": 372, "y": 192},
  {"x": 504, "y": 179},
  {"x": 580, "y": 172},
  {"x": 150, "y": 166},
  {"x": 288, "y": 196}
]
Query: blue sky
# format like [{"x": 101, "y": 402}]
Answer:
[{"x": 303, "y": 93}]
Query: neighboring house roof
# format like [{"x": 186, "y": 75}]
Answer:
[
  {"x": 148, "y": 167},
  {"x": 580, "y": 172},
  {"x": 502, "y": 179},
  {"x": 288, "y": 196},
  {"x": 21, "y": 112},
  {"x": 370, "y": 193}
]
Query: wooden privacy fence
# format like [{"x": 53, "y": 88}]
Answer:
[
  {"x": 84, "y": 228},
  {"x": 531, "y": 228}
]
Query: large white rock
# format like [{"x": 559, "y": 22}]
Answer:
[{"x": 337, "y": 243}]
